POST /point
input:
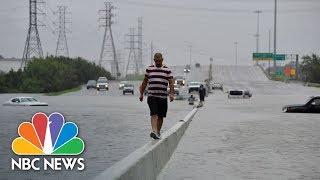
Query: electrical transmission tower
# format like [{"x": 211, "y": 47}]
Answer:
[
  {"x": 140, "y": 42},
  {"x": 108, "y": 43},
  {"x": 32, "y": 46},
  {"x": 62, "y": 45},
  {"x": 132, "y": 58}
]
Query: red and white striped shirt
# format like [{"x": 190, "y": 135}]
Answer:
[{"x": 158, "y": 79}]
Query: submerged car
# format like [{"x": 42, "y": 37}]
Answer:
[
  {"x": 239, "y": 94},
  {"x": 24, "y": 101},
  {"x": 217, "y": 86},
  {"x": 128, "y": 88},
  {"x": 311, "y": 106},
  {"x": 91, "y": 84}
]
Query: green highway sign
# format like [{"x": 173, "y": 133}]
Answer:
[
  {"x": 262, "y": 56},
  {"x": 267, "y": 57},
  {"x": 280, "y": 57}
]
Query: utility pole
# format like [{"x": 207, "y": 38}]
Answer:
[
  {"x": 269, "y": 51},
  {"x": 297, "y": 66},
  {"x": 62, "y": 45},
  {"x": 32, "y": 46},
  {"x": 275, "y": 35},
  {"x": 258, "y": 27},
  {"x": 190, "y": 54},
  {"x": 210, "y": 69},
  {"x": 132, "y": 60},
  {"x": 152, "y": 52},
  {"x": 236, "y": 47},
  {"x": 108, "y": 42},
  {"x": 140, "y": 42}
]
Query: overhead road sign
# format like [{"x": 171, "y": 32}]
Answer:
[{"x": 268, "y": 57}]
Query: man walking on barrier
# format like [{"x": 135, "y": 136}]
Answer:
[
  {"x": 202, "y": 93},
  {"x": 157, "y": 78}
]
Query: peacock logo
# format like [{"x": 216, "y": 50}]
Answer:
[{"x": 48, "y": 136}]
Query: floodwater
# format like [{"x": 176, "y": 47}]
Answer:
[{"x": 112, "y": 126}]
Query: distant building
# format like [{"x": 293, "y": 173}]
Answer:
[{"x": 6, "y": 64}]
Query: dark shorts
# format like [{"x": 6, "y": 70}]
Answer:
[{"x": 158, "y": 106}]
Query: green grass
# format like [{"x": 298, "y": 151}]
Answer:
[{"x": 63, "y": 92}]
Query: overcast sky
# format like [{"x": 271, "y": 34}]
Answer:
[{"x": 210, "y": 26}]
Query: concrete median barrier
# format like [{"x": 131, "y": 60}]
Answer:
[{"x": 147, "y": 162}]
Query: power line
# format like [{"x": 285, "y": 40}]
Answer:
[
  {"x": 215, "y": 10},
  {"x": 62, "y": 45},
  {"x": 132, "y": 60},
  {"x": 140, "y": 41},
  {"x": 108, "y": 42},
  {"x": 33, "y": 44}
]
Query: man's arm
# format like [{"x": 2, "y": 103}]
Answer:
[
  {"x": 171, "y": 86},
  {"x": 143, "y": 85}
]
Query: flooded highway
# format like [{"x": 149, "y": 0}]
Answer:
[{"x": 112, "y": 126}]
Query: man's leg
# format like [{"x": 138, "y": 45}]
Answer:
[
  {"x": 154, "y": 120},
  {"x": 159, "y": 124}
]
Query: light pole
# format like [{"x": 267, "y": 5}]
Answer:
[
  {"x": 151, "y": 53},
  {"x": 190, "y": 54},
  {"x": 269, "y": 51},
  {"x": 275, "y": 35},
  {"x": 258, "y": 27},
  {"x": 236, "y": 47}
]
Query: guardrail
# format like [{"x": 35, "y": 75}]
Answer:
[{"x": 147, "y": 162}]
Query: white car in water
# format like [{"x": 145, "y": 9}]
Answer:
[
  {"x": 239, "y": 94},
  {"x": 24, "y": 101}
]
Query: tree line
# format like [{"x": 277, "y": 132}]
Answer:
[
  {"x": 51, "y": 74},
  {"x": 310, "y": 68}
]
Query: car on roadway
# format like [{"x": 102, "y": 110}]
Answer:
[
  {"x": 102, "y": 83},
  {"x": 218, "y": 86},
  {"x": 193, "y": 86},
  {"x": 128, "y": 88},
  {"x": 121, "y": 84},
  {"x": 24, "y": 101},
  {"x": 312, "y": 105},
  {"x": 187, "y": 69},
  {"x": 180, "y": 81},
  {"x": 239, "y": 94},
  {"x": 91, "y": 84},
  {"x": 176, "y": 89}
]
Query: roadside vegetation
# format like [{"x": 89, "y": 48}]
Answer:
[
  {"x": 310, "y": 69},
  {"x": 134, "y": 77},
  {"x": 51, "y": 74}
]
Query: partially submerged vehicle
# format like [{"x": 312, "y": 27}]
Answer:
[
  {"x": 24, "y": 101},
  {"x": 312, "y": 105},
  {"x": 242, "y": 94}
]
